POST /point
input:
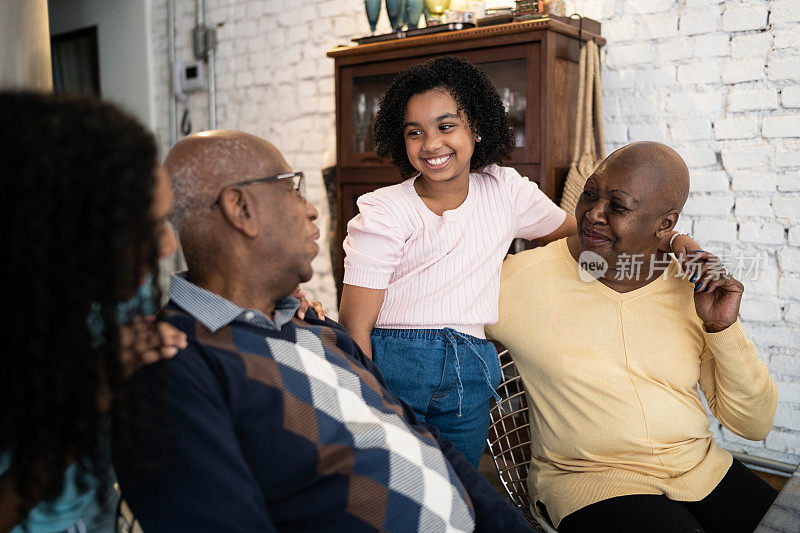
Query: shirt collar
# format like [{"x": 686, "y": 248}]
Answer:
[{"x": 214, "y": 311}]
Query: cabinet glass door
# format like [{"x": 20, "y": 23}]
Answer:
[
  {"x": 367, "y": 92},
  {"x": 508, "y": 77},
  {"x": 362, "y": 89}
]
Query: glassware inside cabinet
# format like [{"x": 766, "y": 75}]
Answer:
[
  {"x": 509, "y": 78},
  {"x": 367, "y": 92}
]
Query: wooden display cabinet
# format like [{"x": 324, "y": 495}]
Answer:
[{"x": 534, "y": 67}]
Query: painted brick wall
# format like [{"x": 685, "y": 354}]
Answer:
[
  {"x": 273, "y": 80},
  {"x": 719, "y": 80}
]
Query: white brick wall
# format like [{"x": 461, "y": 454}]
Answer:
[
  {"x": 784, "y": 11},
  {"x": 731, "y": 107},
  {"x": 739, "y": 70},
  {"x": 719, "y": 80},
  {"x": 782, "y": 126},
  {"x": 736, "y": 127},
  {"x": 274, "y": 80},
  {"x": 750, "y": 45},
  {"x": 790, "y": 96},
  {"x": 741, "y": 16}
]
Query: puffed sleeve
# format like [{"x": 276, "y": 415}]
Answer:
[
  {"x": 373, "y": 245},
  {"x": 535, "y": 213},
  {"x": 737, "y": 384}
]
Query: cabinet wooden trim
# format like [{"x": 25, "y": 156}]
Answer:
[{"x": 521, "y": 31}]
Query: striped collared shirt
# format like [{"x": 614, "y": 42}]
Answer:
[{"x": 215, "y": 312}]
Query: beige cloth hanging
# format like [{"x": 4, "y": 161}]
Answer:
[{"x": 588, "y": 151}]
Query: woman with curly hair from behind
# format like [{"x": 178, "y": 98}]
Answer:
[
  {"x": 423, "y": 257},
  {"x": 85, "y": 224}
]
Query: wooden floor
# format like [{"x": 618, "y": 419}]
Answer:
[{"x": 777, "y": 482}]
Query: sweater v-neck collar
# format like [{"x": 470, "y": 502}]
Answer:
[{"x": 610, "y": 293}]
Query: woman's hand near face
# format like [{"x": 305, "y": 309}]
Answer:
[
  {"x": 717, "y": 296},
  {"x": 146, "y": 341}
]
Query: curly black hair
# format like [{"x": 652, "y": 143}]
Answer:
[
  {"x": 475, "y": 96},
  {"x": 78, "y": 182}
]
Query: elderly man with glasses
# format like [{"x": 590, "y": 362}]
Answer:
[{"x": 273, "y": 422}]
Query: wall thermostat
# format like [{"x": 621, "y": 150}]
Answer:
[{"x": 192, "y": 75}]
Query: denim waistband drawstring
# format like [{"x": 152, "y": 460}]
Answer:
[{"x": 451, "y": 335}]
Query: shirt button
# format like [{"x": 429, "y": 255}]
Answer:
[{"x": 249, "y": 315}]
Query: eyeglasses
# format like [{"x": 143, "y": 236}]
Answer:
[{"x": 298, "y": 184}]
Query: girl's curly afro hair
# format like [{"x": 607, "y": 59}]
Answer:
[{"x": 475, "y": 96}]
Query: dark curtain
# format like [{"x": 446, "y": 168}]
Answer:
[{"x": 75, "y": 62}]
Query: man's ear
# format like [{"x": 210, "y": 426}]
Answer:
[
  {"x": 237, "y": 208},
  {"x": 667, "y": 223}
]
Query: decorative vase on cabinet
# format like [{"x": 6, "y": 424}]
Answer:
[
  {"x": 373, "y": 8},
  {"x": 435, "y": 9},
  {"x": 396, "y": 11},
  {"x": 414, "y": 9}
]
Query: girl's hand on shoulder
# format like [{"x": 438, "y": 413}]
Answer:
[
  {"x": 300, "y": 294},
  {"x": 147, "y": 340},
  {"x": 695, "y": 262},
  {"x": 680, "y": 244}
]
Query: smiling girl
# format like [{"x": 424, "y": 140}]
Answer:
[{"x": 423, "y": 257}]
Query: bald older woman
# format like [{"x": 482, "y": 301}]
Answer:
[{"x": 612, "y": 355}]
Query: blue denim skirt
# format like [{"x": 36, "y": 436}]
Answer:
[{"x": 447, "y": 377}]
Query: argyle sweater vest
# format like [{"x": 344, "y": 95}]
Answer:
[{"x": 298, "y": 424}]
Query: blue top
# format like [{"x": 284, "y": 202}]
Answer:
[
  {"x": 73, "y": 507},
  {"x": 284, "y": 425}
]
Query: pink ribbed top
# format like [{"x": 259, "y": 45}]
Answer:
[{"x": 443, "y": 271}]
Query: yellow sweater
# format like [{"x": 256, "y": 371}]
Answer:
[{"x": 612, "y": 382}]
